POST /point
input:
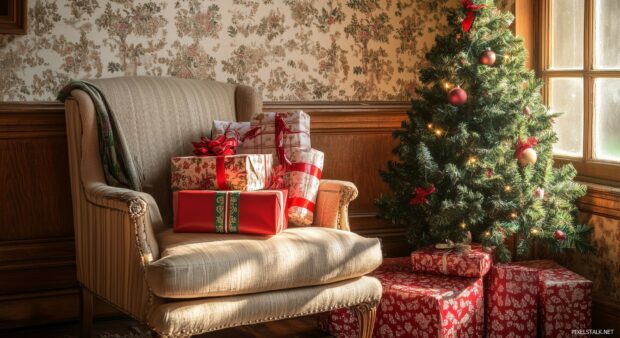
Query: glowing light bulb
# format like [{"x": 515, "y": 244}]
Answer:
[
  {"x": 513, "y": 215},
  {"x": 430, "y": 126},
  {"x": 487, "y": 233},
  {"x": 507, "y": 188},
  {"x": 463, "y": 225},
  {"x": 446, "y": 85},
  {"x": 472, "y": 160},
  {"x": 534, "y": 231},
  {"x": 438, "y": 132}
]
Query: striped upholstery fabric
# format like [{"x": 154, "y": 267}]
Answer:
[
  {"x": 212, "y": 265},
  {"x": 158, "y": 117},
  {"x": 192, "y": 317}
]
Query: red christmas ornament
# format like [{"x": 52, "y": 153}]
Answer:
[
  {"x": 421, "y": 193},
  {"x": 487, "y": 57},
  {"x": 559, "y": 235},
  {"x": 489, "y": 172},
  {"x": 527, "y": 111},
  {"x": 457, "y": 96}
]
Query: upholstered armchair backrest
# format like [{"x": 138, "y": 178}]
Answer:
[{"x": 159, "y": 116}]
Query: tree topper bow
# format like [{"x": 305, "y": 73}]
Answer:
[{"x": 470, "y": 13}]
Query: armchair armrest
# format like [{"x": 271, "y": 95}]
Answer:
[
  {"x": 137, "y": 205},
  {"x": 332, "y": 204}
]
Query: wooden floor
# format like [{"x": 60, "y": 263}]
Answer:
[{"x": 126, "y": 328}]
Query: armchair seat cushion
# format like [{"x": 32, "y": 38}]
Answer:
[{"x": 210, "y": 265}]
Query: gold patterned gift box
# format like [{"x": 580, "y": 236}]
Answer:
[
  {"x": 268, "y": 129},
  {"x": 247, "y": 172}
]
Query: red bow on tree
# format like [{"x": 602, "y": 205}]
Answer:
[
  {"x": 219, "y": 146},
  {"x": 522, "y": 146},
  {"x": 470, "y": 11},
  {"x": 421, "y": 193}
]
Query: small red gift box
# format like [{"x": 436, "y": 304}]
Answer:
[
  {"x": 417, "y": 305},
  {"x": 256, "y": 213},
  {"x": 462, "y": 263}
]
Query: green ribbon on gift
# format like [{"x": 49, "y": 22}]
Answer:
[{"x": 227, "y": 211}]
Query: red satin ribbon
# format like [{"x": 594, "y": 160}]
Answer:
[
  {"x": 216, "y": 147},
  {"x": 307, "y": 168},
  {"x": 299, "y": 202},
  {"x": 470, "y": 13},
  {"x": 522, "y": 146},
  {"x": 421, "y": 193},
  {"x": 220, "y": 173}
]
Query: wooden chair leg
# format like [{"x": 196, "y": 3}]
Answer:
[
  {"x": 86, "y": 313},
  {"x": 366, "y": 314}
]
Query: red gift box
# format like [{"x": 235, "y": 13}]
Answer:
[
  {"x": 512, "y": 301},
  {"x": 417, "y": 305},
  {"x": 462, "y": 263},
  {"x": 519, "y": 292},
  {"x": 256, "y": 212}
]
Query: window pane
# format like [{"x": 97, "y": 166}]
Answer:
[
  {"x": 567, "y": 34},
  {"x": 607, "y": 119},
  {"x": 607, "y": 34},
  {"x": 566, "y": 96}
]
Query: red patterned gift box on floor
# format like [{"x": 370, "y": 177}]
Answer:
[
  {"x": 512, "y": 302},
  {"x": 255, "y": 213},
  {"x": 565, "y": 299},
  {"x": 417, "y": 305},
  {"x": 520, "y": 292},
  {"x": 463, "y": 263}
]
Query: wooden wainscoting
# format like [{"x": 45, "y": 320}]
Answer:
[{"x": 37, "y": 254}]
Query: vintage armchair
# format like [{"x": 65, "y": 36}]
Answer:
[{"x": 182, "y": 284}]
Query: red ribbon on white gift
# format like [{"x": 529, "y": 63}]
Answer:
[
  {"x": 311, "y": 170},
  {"x": 281, "y": 129}
]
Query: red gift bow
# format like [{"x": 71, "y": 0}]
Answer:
[
  {"x": 281, "y": 130},
  {"x": 277, "y": 178},
  {"x": 470, "y": 10},
  {"x": 219, "y": 146},
  {"x": 522, "y": 146},
  {"x": 421, "y": 193}
]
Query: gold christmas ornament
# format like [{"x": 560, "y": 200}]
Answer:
[{"x": 529, "y": 156}]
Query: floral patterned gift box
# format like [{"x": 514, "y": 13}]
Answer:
[
  {"x": 473, "y": 261},
  {"x": 522, "y": 293},
  {"x": 417, "y": 305},
  {"x": 230, "y": 172},
  {"x": 231, "y": 129},
  {"x": 276, "y": 134}
]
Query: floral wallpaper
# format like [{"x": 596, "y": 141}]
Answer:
[{"x": 289, "y": 49}]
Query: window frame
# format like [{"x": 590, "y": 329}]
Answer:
[{"x": 588, "y": 167}]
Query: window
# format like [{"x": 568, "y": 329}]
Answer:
[{"x": 580, "y": 59}]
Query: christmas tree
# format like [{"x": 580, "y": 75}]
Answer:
[{"x": 475, "y": 157}]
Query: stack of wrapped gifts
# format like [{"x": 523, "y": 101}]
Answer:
[
  {"x": 249, "y": 177},
  {"x": 456, "y": 291}
]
